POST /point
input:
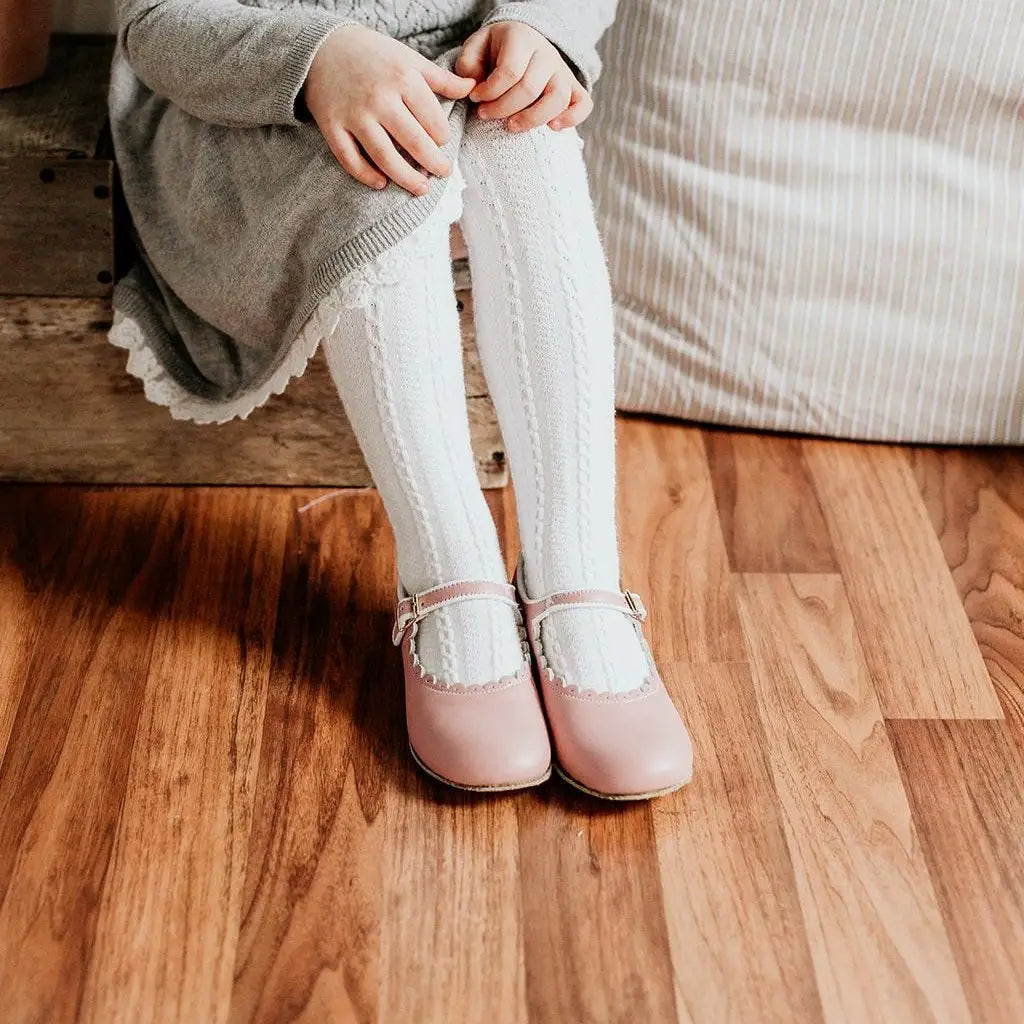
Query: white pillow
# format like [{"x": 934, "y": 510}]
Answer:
[{"x": 814, "y": 214}]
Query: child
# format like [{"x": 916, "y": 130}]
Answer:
[{"x": 293, "y": 169}]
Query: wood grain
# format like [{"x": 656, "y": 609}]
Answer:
[
  {"x": 877, "y": 939},
  {"x": 332, "y": 739},
  {"x": 64, "y": 777},
  {"x": 17, "y": 613},
  {"x": 69, "y": 411},
  {"x": 976, "y": 503},
  {"x": 672, "y": 543},
  {"x": 595, "y": 938},
  {"x": 462, "y": 953},
  {"x": 964, "y": 781},
  {"x": 208, "y": 810},
  {"x": 56, "y": 177},
  {"x": 584, "y": 870},
  {"x": 739, "y": 947},
  {"x": 918, "y": 643},
  {"x": 737, "y": 940},
  {"x": 56, "y": 227},
  {"x": 771, "y": 520},
  {"x": 452, "y": 942},
  {"x": 165, "y": 932}
]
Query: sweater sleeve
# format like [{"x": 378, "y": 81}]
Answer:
[
  {"x": 222, "y": 61},
  {"x": 574, "y": 27}
]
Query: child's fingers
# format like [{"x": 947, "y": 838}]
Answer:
[
  {"x": 411, "y": 136},
  {"x": 426, "y": 108},
  {"x": 527, "y": 90},
  {"x": 346, "y": 151},
  {"x": 553, "y": 101},
  {"x": 445, "y": 83},
  {"x": 579, "y": 109},
  {"x": 381, "y": 150},
  {"x": 513, "y": 60},
  {"x": 472, "y": 61}
]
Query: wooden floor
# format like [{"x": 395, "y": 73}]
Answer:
[{"x": 208, "y": 812}]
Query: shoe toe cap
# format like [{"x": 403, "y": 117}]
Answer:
[
  {"x": 622, "y": 749},
  {"x": 479, "y": 738}
]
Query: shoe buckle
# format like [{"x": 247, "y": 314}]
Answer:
[
  {"x": 636, "y": 606},
  {"x": 405, "y": 620}
]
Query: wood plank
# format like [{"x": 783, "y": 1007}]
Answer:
[
  {"x": 595, "y": 937},
  {"x": 17, "y": 608},
  {"x": 36, "y": 537},
  {"x": 37, "y": 540},
  {"x": 736, "y": 935},
  {"x": 371, "y": 894},
  {"x": 739, "y": 947},
  {"x": 63, "y": 779},
  {"x": 451, "y": 942},
  {"x": 668, "y": 524},
  {"x": 771, "y": 520},
  {"x": 964, "y": 784},
  {"x": 61, "y": 116},
  {"x": 166, "y": 927},
  {"x": 975, "y": 499},
  {"x": 69, "y": 411},
  {"x": 877, "y": 938},
  {"x": 919, "y": 647},
  {"x": 585, "y": 869},
  {"x": 332, "y": 739},
  {"x": 456, "y": 952},
  {"x": 56, "y": 227}
]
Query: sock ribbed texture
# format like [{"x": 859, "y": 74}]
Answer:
[
  {"x": 545, "y": 332},
  {"x": 396, "y": 360}
]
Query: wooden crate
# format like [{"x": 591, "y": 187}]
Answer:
[
  {"x": 56, "y": 177},
  {"x": 68, "y": 409}
]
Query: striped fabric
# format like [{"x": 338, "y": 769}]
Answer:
[{"x": 814, "y": 214}]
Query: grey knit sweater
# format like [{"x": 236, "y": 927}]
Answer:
[{"x": 243, "y": 218}]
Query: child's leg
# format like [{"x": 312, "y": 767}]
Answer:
[
  {"x": 545, "y": 333},
  {"x": 396, "y": 359}
]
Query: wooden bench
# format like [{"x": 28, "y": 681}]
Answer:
[{"x": 68, "y": 409}]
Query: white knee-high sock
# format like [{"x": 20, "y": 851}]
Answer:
[
  {"x": 396, "y": 359},
  {"x": 546, "y": 339}
]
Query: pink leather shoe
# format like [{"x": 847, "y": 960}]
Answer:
[
  {"x": 490, "y": 737},
  {"x": 617, "y": 746}
]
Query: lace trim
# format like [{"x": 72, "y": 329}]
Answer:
[
  {"x": 575, "y": 692},
  {"x": 522, "y": 675},
  {"x": 162, "y": 389},
  {"x": 354, "y": 291}
]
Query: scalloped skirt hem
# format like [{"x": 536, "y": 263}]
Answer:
[
  {"x": 354, "y": 291},
  {"x": 162, "y": 389}
]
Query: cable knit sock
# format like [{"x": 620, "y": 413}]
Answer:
[
  {"x": 546, "y": 339},
  {"x": 394, "y": 351}
]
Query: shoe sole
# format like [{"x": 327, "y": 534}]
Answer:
[
  {"x": 505, "y": 787},
  {"x": 620, "y": 797}
]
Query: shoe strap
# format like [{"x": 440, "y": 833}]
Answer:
[
  {"x": 412, "y": 608},
  {"x": 615, "y": 600}
]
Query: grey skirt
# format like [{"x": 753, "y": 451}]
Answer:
[{"x": 246, "y": 232}]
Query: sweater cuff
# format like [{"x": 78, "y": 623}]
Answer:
[
  {"x": 583, "y": 60},
  {"x": 316, "y": 28}
]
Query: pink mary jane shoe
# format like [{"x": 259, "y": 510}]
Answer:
[
  {"x": 617, "y": 746},
  {"x": 490, "y": 737}
]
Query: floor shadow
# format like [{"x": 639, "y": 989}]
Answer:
[{"x": 331, "y": 640}]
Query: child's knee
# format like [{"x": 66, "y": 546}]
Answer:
[{"x": 492, "y": 141}]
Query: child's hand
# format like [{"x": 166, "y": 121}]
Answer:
[
  {"x": 522, "y": 77},
  {"x": 367, "y": 90}
]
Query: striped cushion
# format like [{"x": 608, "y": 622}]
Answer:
[{"x": 814, "y": 214}]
